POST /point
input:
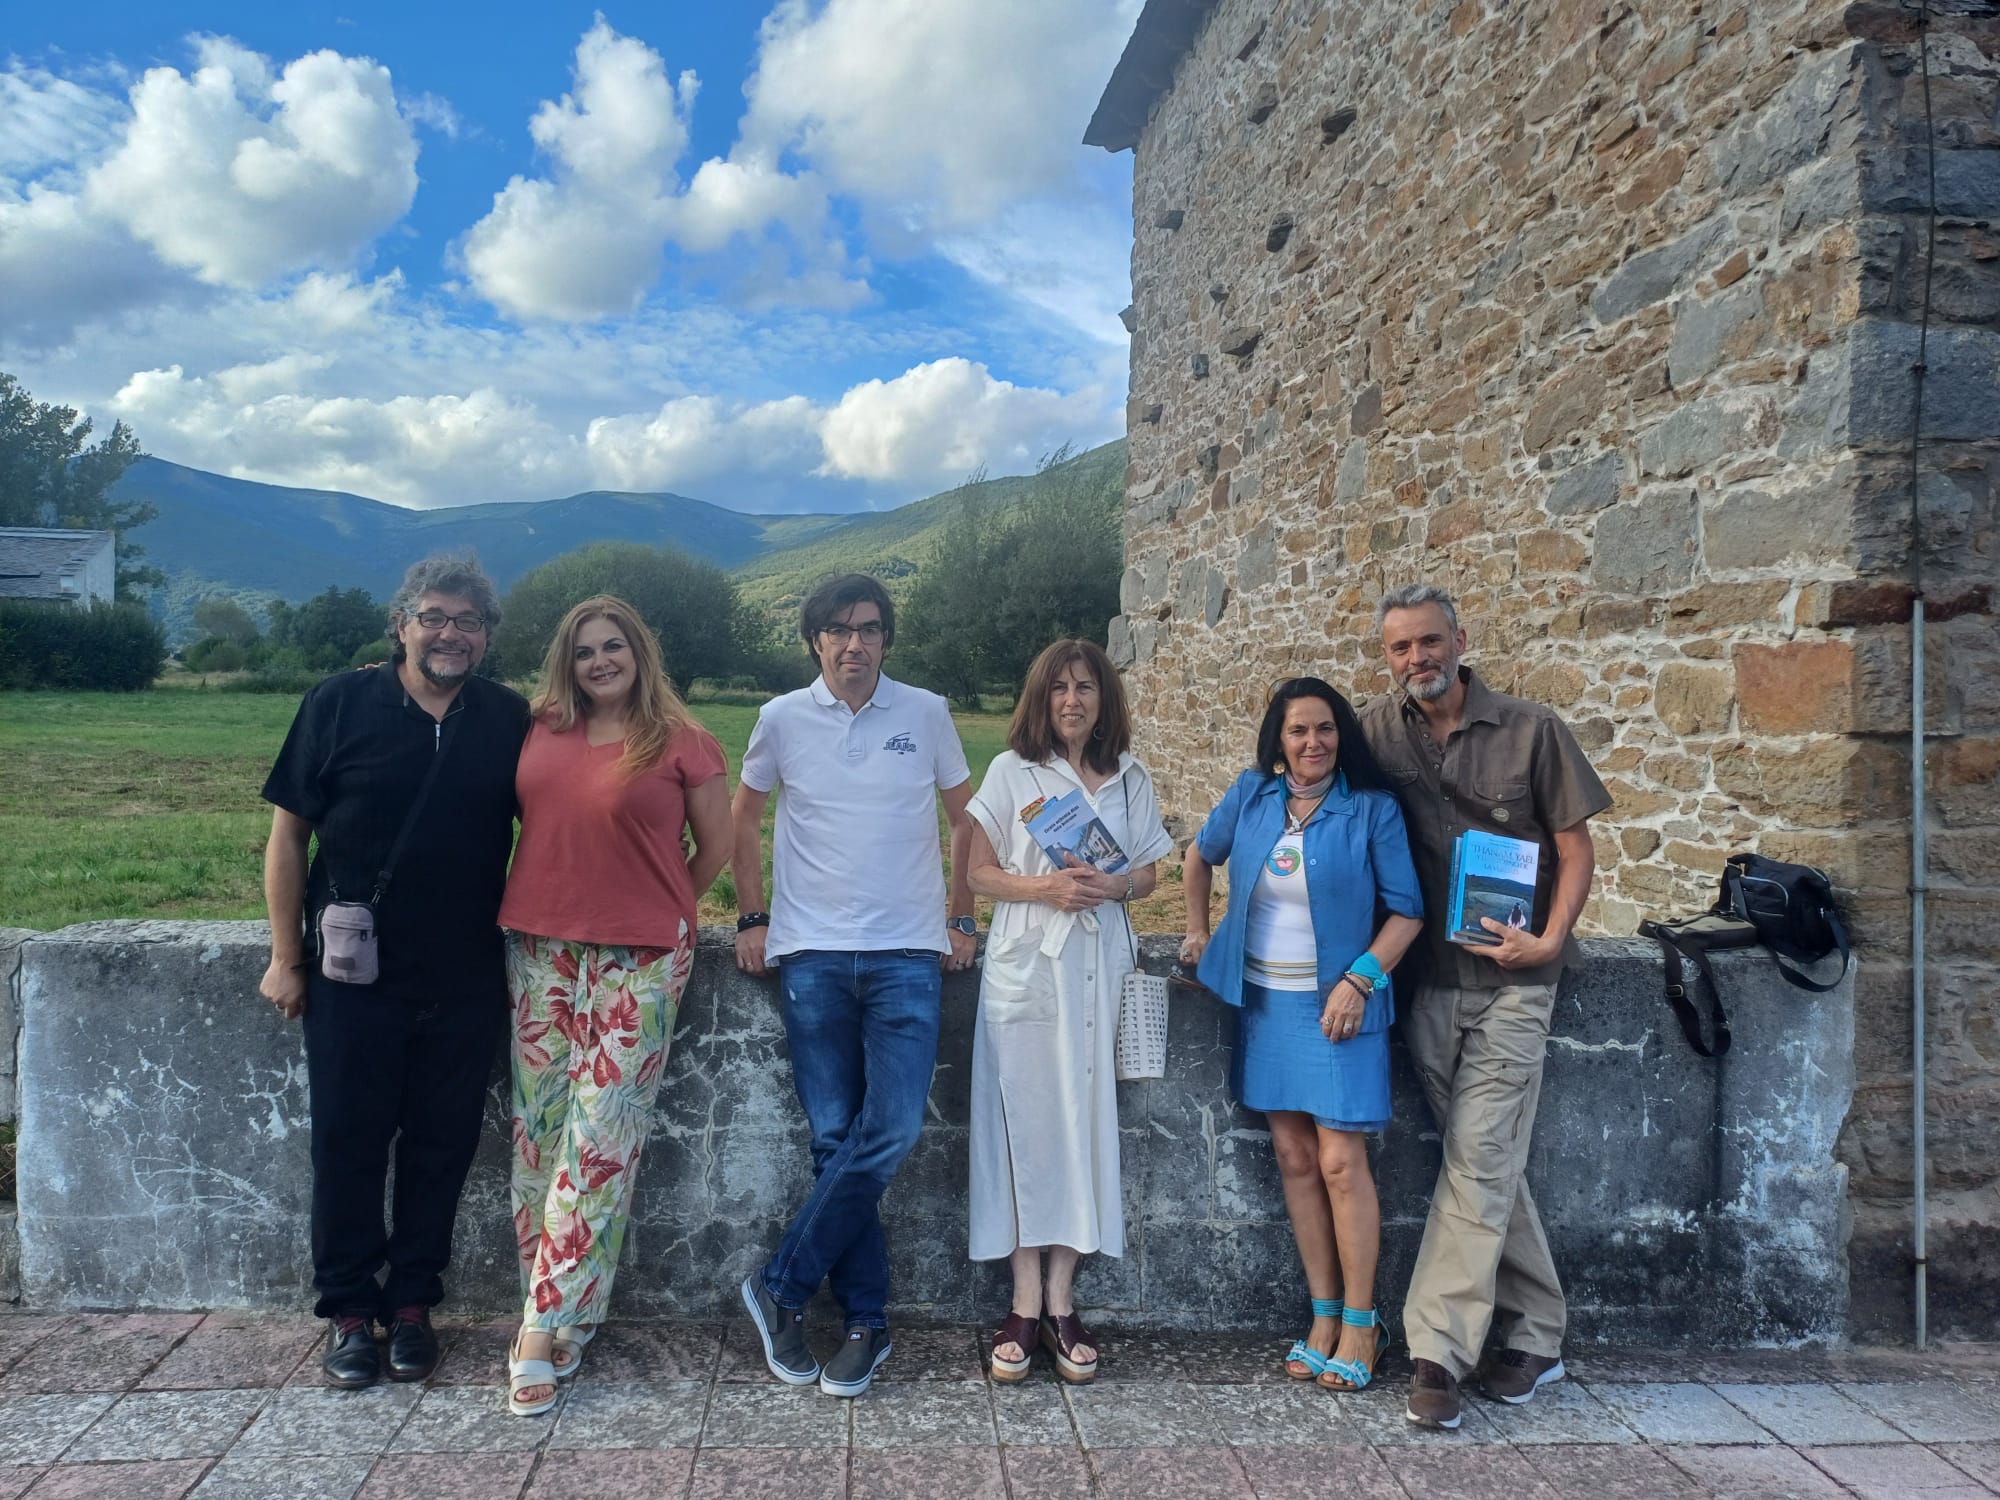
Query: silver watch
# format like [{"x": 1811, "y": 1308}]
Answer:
[{"x": 965, "y": 925}]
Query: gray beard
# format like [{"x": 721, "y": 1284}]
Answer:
[
  {"x": 442, "y": 679},
  {"x": 1436, "y": 688}
]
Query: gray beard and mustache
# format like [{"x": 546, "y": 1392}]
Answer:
[
  {"x": 1437, "y": 687},
  {"x": 436, "y": 678}
]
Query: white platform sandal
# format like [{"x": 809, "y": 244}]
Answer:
[
  {"x": 526, "y": 1375},
  {"x": 572, "y": 1338}
]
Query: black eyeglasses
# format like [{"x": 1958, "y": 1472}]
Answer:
[
  {"x": 434, "y": 619},
  {"x": 840, "y": 635}
]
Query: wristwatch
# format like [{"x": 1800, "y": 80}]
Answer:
[
  {"x": 965, "y": 925},
  {"x": 751, "y": 919}
]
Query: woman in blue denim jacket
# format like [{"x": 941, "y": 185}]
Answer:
[{"x": 1323, "y": 902}]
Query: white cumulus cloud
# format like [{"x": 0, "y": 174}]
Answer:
[
  {"x": 698, "y": 438},
  {"x": 934, "y": 424}
]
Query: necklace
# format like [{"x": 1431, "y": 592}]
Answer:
[{"x": 1312, "y": 794}]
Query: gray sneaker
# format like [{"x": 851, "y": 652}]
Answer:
[
  {"x": 860, "y": 1356},
  {"x": 783, "y": 1331}
]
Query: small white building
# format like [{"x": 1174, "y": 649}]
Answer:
[{"x": 66, "y": 567}]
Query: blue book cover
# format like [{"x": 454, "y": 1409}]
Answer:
[
  {"x": 1066, "y": 825},
  {"x": 1491, "y": 876}
]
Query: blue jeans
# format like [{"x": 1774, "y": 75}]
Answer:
[{"x": 863, "y": 1032}]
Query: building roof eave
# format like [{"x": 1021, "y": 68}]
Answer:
[{"x": 1166, "y": 29}]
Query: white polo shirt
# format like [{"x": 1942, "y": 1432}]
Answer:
[{"x": 855, "y": 865}]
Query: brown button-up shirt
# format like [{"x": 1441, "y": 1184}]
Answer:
[{"x": 1512, "y": 768}]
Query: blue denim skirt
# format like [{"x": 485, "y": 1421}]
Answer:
[{"x": 1283, "y": 1062}]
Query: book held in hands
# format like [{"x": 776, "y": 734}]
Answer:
[
  {"x": 1067, "y": 825},
  {"x": 1491, "y": 876}
]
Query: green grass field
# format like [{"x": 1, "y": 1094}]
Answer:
[{"x": 146, "y": 805}]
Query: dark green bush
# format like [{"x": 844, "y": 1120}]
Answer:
[
  {"x": 215, "y": 654},
  {"x": 107, "y": 647}
]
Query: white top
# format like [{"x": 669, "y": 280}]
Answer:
[
  {"x": 855, "y": 864},
  {"x": 1044, "y": 1136},
  {"x": 1278, "y": 949}
]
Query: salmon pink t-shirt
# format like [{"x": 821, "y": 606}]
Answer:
[{"x": 600, "y": 858}]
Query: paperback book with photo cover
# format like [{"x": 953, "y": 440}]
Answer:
[
  {"x": 1491, "y": 876},
  {"x": 1066, "y": 825}
]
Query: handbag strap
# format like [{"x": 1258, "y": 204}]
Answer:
[
  {"x": 1672, "y": 954},
  {"x": 1806, "y": 982},
  {"x": 447, "y": 732}
]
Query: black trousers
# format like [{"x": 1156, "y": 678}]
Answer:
[{"x": 393, "y": 1069}]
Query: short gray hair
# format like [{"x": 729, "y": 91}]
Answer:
[
  {"x": 1416, "y": 596},
  {"x": 447, "y": 573}
]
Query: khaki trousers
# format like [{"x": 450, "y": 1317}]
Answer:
[{"x": 1479, "y": 1055}]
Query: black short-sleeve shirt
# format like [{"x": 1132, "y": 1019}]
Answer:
[{"x": 352, "y": 764}]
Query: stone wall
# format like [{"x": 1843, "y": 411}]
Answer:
[
  {"x": 1603, "y": 316},
  {"x": 165, "y": 1127}
]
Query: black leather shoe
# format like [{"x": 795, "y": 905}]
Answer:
[
  {"x": 352, "y": 1360},
  {"x": 413, "y": 1344}
]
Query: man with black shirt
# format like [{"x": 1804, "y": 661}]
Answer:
[{"x": 404, "y": 1059}]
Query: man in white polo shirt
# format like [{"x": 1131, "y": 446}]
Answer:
[{"x": 858, "y": 933}]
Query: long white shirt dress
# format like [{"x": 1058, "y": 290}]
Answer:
[{"x": 1044, "y": 1137}]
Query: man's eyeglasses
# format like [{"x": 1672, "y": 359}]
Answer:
[
  {"x": 434, "y": 619},
  {"x": 840, "y": 635}
]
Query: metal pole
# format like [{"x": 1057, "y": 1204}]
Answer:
[{"x": 1919, "y": 862}]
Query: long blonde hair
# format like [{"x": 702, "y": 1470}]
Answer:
[{"x": 654, "y": 714}]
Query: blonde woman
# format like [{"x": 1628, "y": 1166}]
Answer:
[{"x": 599, "y": 915}]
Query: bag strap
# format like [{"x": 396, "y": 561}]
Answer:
[
  {"x": 1677, "y": 989},
  {"x": 1806, "y": 982},
  {"x": 447, "y": 732}
]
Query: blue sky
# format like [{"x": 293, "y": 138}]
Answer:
[{"x": 816, "y": 255}]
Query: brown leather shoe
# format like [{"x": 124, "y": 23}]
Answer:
[
  {"x": 1433, "y": 1396},
  {"x": 1514, "y": 1375}
]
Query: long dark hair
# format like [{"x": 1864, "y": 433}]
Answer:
[
  {"x": 1353, "y": 759},
  {"x": 1032, "y": 733}
]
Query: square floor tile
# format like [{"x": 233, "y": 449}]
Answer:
[
  {"x": 1033, "y": 1414},
  {"x": 476, "y": 1354},
  {"x": 612, "y": 1474},
  {"x": 1803, "y": 1415},
  {"x": 324, "y": 1423},
  {"x": 20, "y": 1332},
  {"x": 1297, "y": 1413},
  {"x": 246, "y": 1477},
  {"x": 236, "y": 1350},
  {"x": 632, "y": 1414},
  {"x": 1610, "y": 1471},
  {"x": 36, "y": 1429},
  {"x": 1893, "y": 1472},
  {"x": 1201, "y": 1359},
  {"x": 450, "y": 1476},
  {"x": 1057, "y": 1473},
  {"x": 1152, "y": 1473},
  {"x": 1931, "y": 1411},
  {"x": 1755, "y": 1473},
  {"x": 932, "y": 1354},
  {"x": 924, "y": 1414},
  {"x": 1980, "y": 1460},
  {"x": 1561, "y": 1413},
  {"x": 1378, "y": 1416},
  {"x": 168, "y": 1424},
  {"x": 741, "y": 1361},
  {"x": 1485, "y": 1471},
  {"x": 15, "y": 1480},
  {"x": 759, "y": 1473},
  {"x": 1339, "y": 1473},
  {"x": 98, "y": 1352},
  {"x": 471, "y": 1419},
  {"x": 1677, "y": 1412},
  {"x": 931, "y": 1473},
  {"x": 774, "y": 1416},
  {"x": 131, "y": 1481},
  {"x": 651, "y": 1351},
  {"x": 1142, "y": 1416}
]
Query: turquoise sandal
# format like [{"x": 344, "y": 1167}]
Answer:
[
  {"x": 1315, "y": 1363},
  {"x": 1355, "y": 1374}
]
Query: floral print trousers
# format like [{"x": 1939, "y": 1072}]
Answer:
[{"x": 592, "y": 1024}]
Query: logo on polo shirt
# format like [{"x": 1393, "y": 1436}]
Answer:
[{"x": 901, "y": 744}]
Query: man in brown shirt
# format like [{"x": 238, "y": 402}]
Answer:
[{"x": 1463, "y": 757}]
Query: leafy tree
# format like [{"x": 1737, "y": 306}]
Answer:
[
  {"x": 225, "y": 620},
  {"x": 325, "y": 632},
  {"x": 690, "y": 604},
  {"x": 215, "y": 653},
  {"x": 1003, "y": 584},
  {"x": 49, "y": 477}
]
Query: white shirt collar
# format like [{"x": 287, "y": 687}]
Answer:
[{"x": 885, "y": 692}]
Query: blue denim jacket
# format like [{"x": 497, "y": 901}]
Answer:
[{"x": 1357, "y": 863}]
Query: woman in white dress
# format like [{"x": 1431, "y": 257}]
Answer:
[{"x": 1044, "y": 1093}]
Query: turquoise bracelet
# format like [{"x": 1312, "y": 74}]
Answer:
[{"x": 1368, "y": 967}]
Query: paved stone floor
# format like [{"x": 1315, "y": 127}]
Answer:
[{"x": 124, "y": 1406}]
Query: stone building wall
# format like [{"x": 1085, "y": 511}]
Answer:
[{"x": 1602, "y": 315}]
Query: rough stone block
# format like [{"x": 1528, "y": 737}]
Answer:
[
  {"x": 1702, "y": 431},
  {"x": 11, "y": 939},
  {"x": 1797, "y": 687},
  {"x": 1648, "y": 546},
  {"x": 1961, "y": 386},
  {"x": 1693, "y": 699},
  {"x": 1648, "y": 277},
  {"x": 1751, "y": 528},
  {"x": 1816, "y": 113},
  {"x": 1708, "y": 333},
  {"x": 1585, "y": 487},
  {"x": 1563, "y": 406}
]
